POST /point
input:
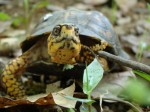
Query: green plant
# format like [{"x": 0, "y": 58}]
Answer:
[
  {"x": 28, "y": 15},
  {"x": 142, "y": 74},
  {"x": 4, "y": 16},
  {"x": 113, "y": 10},
  {"x": 148, "y": 7},
  {"x": 143, "y": 45},
  {"x": 30, "y": 11},
  {"x": 15, "y": 21},
  {"x": 136, "y": 91},
  {"x": 70, "y": 110},
  {"x": 92, "y": 76}
]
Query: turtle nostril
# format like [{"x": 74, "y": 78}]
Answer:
[{"x": 68, "y": 27}]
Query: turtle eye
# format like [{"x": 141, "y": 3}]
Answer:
[
  {"x": 56, "y": 31},
  {"x": 77, "y": 31}
]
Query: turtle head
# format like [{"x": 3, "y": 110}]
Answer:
[{"x": 64, "y": 44}]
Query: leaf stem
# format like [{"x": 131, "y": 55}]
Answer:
[{"x": 87, "y": 84}]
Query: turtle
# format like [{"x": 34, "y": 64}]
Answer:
[{"x": 62, "y": 37}]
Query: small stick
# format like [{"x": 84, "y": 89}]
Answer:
[{"x": 125, "y": 62}]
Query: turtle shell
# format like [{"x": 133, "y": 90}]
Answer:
[{"x": 93, "y": 27}]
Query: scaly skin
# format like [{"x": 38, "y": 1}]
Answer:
[{"x": 11, "y": 74}]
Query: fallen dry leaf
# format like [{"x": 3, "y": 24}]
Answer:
[
  {"x": 131, "y": 39},
  {"x": 82, "y": 6},
  {"x": 37, "y": 100},
  {"x": 112, "y": 84},
  {"x": 15, "y": 33},
  {"x": 4, "y": 25},
  {"x": 59, "y": 98},
  {"x": 33, "y": 98},
  {"x": 43, "y": 99},
  {"x": 9, "y": 46},
  {"x": 54, "y": 87}
]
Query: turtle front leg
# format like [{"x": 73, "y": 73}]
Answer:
[
  {"x": 10, "y": 77},
  {"x": 88, "y": 54}
]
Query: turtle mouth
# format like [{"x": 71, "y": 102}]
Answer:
[
  {"x": 68, "y": 44},
  {"x": 68, "y": 39}
]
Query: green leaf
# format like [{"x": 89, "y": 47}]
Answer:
[
  {"x": 70, "y": 110},
  {"x": 17, "y": 21},
  {"x": 113, "y": 12},
  {"x": 40, "y": 5},
  {"x": 137, "y": 91},
  {"x": 142, "y": 74},
  {"x": 26, "y": 5},
  {"x": 87, "y": 108},
  {"x": 148, "y": 47},
  {"x": 88, "y": 101},
  {"x": 92, "y": 75},
  {"x": 4, "y": 16},
  {"x": 148, "y": 6}
]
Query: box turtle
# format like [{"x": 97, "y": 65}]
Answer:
[{"x": 62, "y": 37}]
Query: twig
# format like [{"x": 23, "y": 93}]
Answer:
[
  {"x": 125, "y": 62},
  {"x": 125, "y": 102},
  {"x": 84, "y": 96}
]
